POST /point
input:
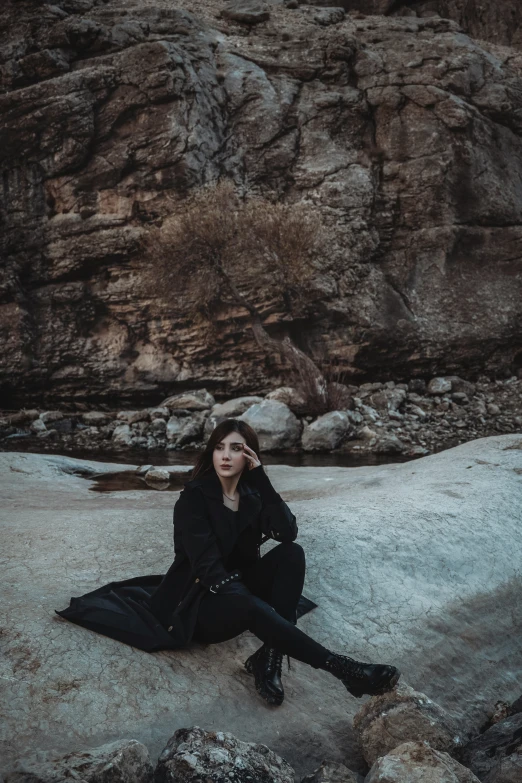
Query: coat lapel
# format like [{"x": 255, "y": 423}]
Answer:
[{"x": 225, "y": 527}]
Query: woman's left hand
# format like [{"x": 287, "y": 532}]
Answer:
[{"x": 253, "y": 460}]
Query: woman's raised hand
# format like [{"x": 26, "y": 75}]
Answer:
[{"x": 253, "y": 460}]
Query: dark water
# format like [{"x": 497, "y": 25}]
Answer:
[{"x": 125, "y": 480}]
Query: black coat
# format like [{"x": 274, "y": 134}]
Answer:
[{"x": 158, "y": 612}]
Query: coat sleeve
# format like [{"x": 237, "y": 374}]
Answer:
[
  {"x": 199, "y": 542},
  {"x": 277, "y": 521}
]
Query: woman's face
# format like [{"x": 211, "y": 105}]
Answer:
[{"x": 228, "y": 457}]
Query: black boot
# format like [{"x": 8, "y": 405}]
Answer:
[
  {"x": 266, "y": 664},
  {"x": 362, "y": 678}
]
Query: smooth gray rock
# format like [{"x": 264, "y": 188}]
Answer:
[
  {"x": 197, "y": 756},
  {"x": 410, "y": 563},
  {"x": 276, "y": 425},
  {"x": 122, "y": 435},
  {"x": 439, "y": 386},
  {"x": 123, "y": 761},
  {"x": 327, "y": 431}
]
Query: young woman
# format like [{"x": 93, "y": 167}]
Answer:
[
  {"x": 219, "y": 522},
  {"x": 219, "y": 585}
]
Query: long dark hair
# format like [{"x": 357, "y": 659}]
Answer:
[{"x": 204, "y": 463}]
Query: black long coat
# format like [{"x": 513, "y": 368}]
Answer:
[{"x": 160, "y": 611}]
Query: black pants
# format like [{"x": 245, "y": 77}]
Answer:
[{"x": 264, "y": 603}]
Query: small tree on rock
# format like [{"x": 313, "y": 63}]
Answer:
[{"x": 220, "y": 248}]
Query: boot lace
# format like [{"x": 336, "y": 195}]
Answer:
[{"x": 275, "y": 660}]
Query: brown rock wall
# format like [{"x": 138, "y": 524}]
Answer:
[{"x": 404, "y": 133}]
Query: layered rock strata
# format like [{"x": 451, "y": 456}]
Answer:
[{"x": 401, "y": 131}]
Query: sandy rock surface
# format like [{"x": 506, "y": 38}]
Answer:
[
  {"x": 417, "y": 762},
  {"x": 416, "y": 564},
  {"x": 401, "y": 716}
]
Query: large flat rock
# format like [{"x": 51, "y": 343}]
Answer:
[{"x": 416, "y": 563}]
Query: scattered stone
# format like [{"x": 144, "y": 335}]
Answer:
[
  {"x": 276, "y": 425},
  {"x": 49, "y": 416},
  {"x": 124, "y": 761},
  {"x": 96, "y": 418},
  {"x": 158, "y": 426},
  {"x": 143, "y": 469},
  {"x": 459, "y": 385},
  {"x": 417, "y": 762},
  {"x": 159, "y": 413},
  {"x": 493, "y": 409},
  {"x": 366, "y": 433},
  {"x": 198, "y": 400},
  {"x": 64, "y": 426},
  {"x": 122, "y": 435},
  {"x": 417, "y": 386},
  {"x": 234, "y": 407},
  {"x": 328, "y": 16},
  {"x": 389, "y": 444},
  {"x": 330, "y": 772},
  {"x": 193, "y": 755},
  {"x": 289, "y": 396},
  {"x": 400, "y": 716},
  {"x": 439, "y": 386},
  {"x": 157, "y": 474},
  {"x": 487, "y": 754},
  {"x": 245, "y": 11},
  {"x": 38, "y": 426},
  {"x": 326, "y": 432}
]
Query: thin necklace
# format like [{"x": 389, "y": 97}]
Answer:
[{"x": 225, "y": 494}]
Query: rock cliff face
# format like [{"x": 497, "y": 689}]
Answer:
[{"x": 401, "y": 130}]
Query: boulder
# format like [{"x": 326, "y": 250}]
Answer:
[
  {"x": 122, "y": 435},
  {"x": 49, "y": 416},
  {"x": 389, "y": 444},
  {"x": 388, "y": 399},
  {"x": 228, "y": 410},
  {"x": 400, "y": 716},
  {"x": 157, "y": 474},
  {"x": 123, "y": 761},
  {"x": 198, "y": 400},
  {"x": 234, "y": 407},
  {"x": 277, "y": 427},
  {"x": 133, "y": 417},
  {"x": 330, "y": 772},
  {"x": 439, "y": 386},
  {"x": 96, "y": 418},
  {"x": 458, "y": 384},
  {"x": 394, "y": 563},
  {"x": 245, "y": 11},
  {"x": 194, "y": 755},
  {"x": 327, "y": 432},
  {"x": 290, "y": 396},
  {"x": 38, "y": 426},
  {"x": 494, "y": 755},
  {"x": 158, "y": 426},
  {"x": 328, "y": 16},
  {"x": 159, "y": 413},
  {"x": 183, "y": 429},
  {"x": 417, "y": 762}
]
